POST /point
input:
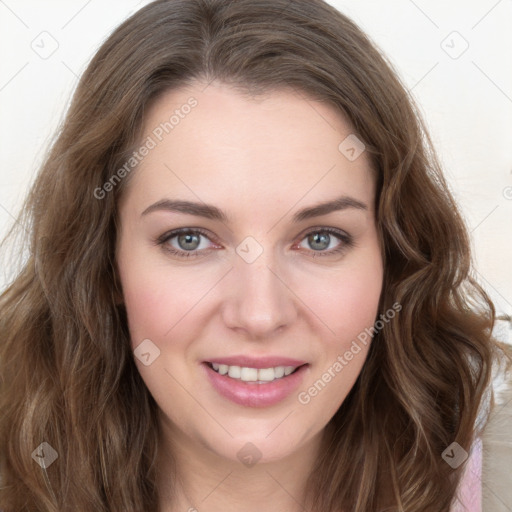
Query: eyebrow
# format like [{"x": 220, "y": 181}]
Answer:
[{"x": 212, "y": 212}]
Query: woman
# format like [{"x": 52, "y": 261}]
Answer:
[{"x": 248, "y": 284}]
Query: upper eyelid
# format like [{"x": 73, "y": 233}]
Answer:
[{"x": 175, "y": 232}]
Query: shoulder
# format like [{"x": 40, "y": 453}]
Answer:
[
  {"x": 469, "y": 496},
  {"x": 497, "y": 453}
]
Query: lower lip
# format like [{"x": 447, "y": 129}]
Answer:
[{"x": 252, "y": 394}]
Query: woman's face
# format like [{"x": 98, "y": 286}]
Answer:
[{"x": 277, "y": 267}]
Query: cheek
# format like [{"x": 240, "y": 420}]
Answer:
[
  {"x": 156, "y": 297},
  {"x": 347, "y": 301},
  {"x": 349, "y": 309},
  {"x": 149, "y": 301},
  {"x": 155, "y": 307}
]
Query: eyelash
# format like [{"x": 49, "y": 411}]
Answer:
[{"x": 347, "y": 242}]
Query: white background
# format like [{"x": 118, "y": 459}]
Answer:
[{"x": 466, "y": 101}]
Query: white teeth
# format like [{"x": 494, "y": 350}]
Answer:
[
  {"x": 267, "y": 374},
  {"x": 279, "y": 372},
  {"x": 247, "y": 374},
  {"x": 234, "y": 372}
]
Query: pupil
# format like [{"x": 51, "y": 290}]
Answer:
[
  {"x": 188, "y": 238},
  {"x": 322, "y": 239}
]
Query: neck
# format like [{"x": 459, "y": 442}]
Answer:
[{"x": 193, "y": 477}]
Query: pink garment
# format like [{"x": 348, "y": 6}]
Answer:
[{"x": 470, "y": 488}]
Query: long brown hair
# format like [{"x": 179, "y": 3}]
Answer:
[{"x": 67, "y": 371}]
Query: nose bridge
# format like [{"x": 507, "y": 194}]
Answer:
[{"x": 260, "y": 300}]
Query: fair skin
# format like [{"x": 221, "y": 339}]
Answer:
[{"x": 260, "y": 162}]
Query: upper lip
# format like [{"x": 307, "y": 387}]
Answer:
[{"x": 257, "y": 362}]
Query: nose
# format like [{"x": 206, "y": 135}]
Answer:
[{"x": 259, "y": 300}]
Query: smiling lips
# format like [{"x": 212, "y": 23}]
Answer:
[
  {"x": 255, "y": 382},
  {"x": 247, "y": 374}
]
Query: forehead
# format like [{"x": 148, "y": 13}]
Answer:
[{"x": 212, "y": 143}]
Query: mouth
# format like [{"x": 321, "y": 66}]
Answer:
[
  {"x": 253, "y": 375},
  {"x": 259, "y": 384}
]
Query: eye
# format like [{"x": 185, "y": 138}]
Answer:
[
  {"x": 185, "y": 242},
  {"x": 195, "y": 242},
  {"x": 321, "y": 239}
]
